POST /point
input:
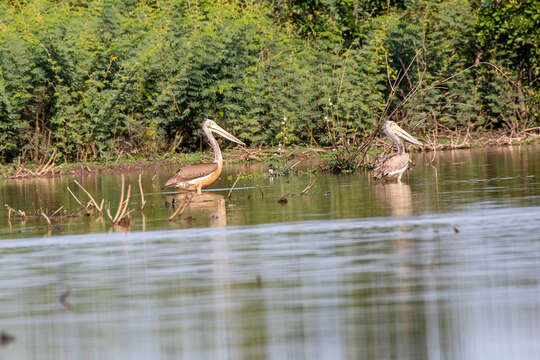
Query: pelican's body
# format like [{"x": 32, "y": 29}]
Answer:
[
  {"x": 394, "y": 165},
  {"x": 193, "y": 177}
]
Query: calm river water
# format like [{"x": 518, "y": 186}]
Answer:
[{"x": 443, "y": 266}]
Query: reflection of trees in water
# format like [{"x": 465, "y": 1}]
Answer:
[
  {"x": 40, "y": 191},
  {"x": 206, "y": 208}
]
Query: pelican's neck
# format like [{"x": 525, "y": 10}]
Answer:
[
  {"x": 400, "y": 148},
  {"x": 218, "y": 159}
]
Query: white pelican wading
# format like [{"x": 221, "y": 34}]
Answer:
[
  {"x": 394, "y": 165},
  {"x": 193, "y": 177}
]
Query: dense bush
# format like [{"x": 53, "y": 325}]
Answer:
[{"x": 99, "y": 78}]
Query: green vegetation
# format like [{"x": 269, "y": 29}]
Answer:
[{"x": 102, "y": 78}]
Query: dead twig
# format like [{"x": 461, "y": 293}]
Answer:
[
  {"x": 234, "y": 184},
  {"x": 94, "y": 202},
  {"x": 384, "y": 115},
  {"x": 120, "y": 204},
  {"x": 43, "y": 168},
  {"x": 48, "y": 165},
  {"x": 121, "y": 212},
  {"x": 46, "y": 218},
  {"x": 125, "y": 213},
  {"x": 303, "y": 192},
  {"x": 10, "y": 209},
  {"x": 143, "y": 202},
  {"x": 260, "y": 189},
  {"x": 56, "y": 212},
  {"x": 76, "y": 199}
]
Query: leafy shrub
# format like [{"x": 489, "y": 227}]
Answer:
[{"x": 102, "y": 78}]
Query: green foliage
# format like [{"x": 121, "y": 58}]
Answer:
[
  {"x": 433, "y": 45},
  {"x": 103, "y": 78},
  {"x": 509, "y": 36},
  {"x": 333, "y": 19},
  {"x": 510, "y": 30}
]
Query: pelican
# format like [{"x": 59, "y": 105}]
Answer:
[
  {"x": 394, "y": 165},
  {"x": 196, "y": 176}
]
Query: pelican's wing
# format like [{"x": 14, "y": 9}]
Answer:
[
  {"x": 390, "y": 165},
  {"x": 381, "y": 160},
  {"x": 191, "y": 172}
]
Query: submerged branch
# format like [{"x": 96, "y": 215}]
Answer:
[
  {"x": 234, "y": 184},
  {"x": 303, "y": 192},
  {"x": 122, "y": 212},
  {"x": 143, "y": 202},
  {"x": 94, "y": 203},
  {"x": 46, "y": 218}
]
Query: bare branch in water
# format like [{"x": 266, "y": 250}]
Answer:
[
  {"x": 143, "y": 202},
  {"x": 234, "y": 184},
  {"x": 94, "y": 202},
  {"x": 307, "y": 188}
]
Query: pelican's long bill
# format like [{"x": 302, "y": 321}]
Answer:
[
  {"x": 192, "y": 177},
  {"x": 405, "y": 135},
  {"x": 215, "y": 128}
]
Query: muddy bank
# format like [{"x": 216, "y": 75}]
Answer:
[{"x": 268, "y": 157}]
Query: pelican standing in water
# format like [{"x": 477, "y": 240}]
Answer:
[
  {"x": 196, "y": 176},
  {"x": 394, "y": 165}
]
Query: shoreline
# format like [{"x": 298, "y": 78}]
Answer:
[{"x": 442, "y": 142}]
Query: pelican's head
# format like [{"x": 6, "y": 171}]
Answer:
[
  {"x": 210, "y": 125},
  {"x": 393, "y": 131}
]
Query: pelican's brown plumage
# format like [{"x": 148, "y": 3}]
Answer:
[
  {"x": 193, "y": 177},
  {"x": 394, "y": 165}
]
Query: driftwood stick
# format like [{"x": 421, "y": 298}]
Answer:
[
  {"x": 10, "y": 209},
  {"x": 109, "y": 215},
  {"x": 143, "y": 202},
  {"x": 234, "y": 184},
  {"x": 94, "y": 202},
  {"x": 46, "y": 218},
  {"x": 122, "y": 211},
  {"x": 121, "y": 200},
  {"x": 307, "y": 188},
  {"x": 124, "y": 206},
  {"x": 76, "y": 199},
  {"x": 48, "y": 165},
  {"x": 260, "y": 189},
  {"x": 56, "y": 212}
]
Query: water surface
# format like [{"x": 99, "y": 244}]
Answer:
[{"x": 443, "y": 266}]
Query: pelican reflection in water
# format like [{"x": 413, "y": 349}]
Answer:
[
  {"x": 394, "y": 165},
  {"x": 397, "y": 196},
  {"x": 206, "y": 209},
  {"x": 193, "y": 177}
]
